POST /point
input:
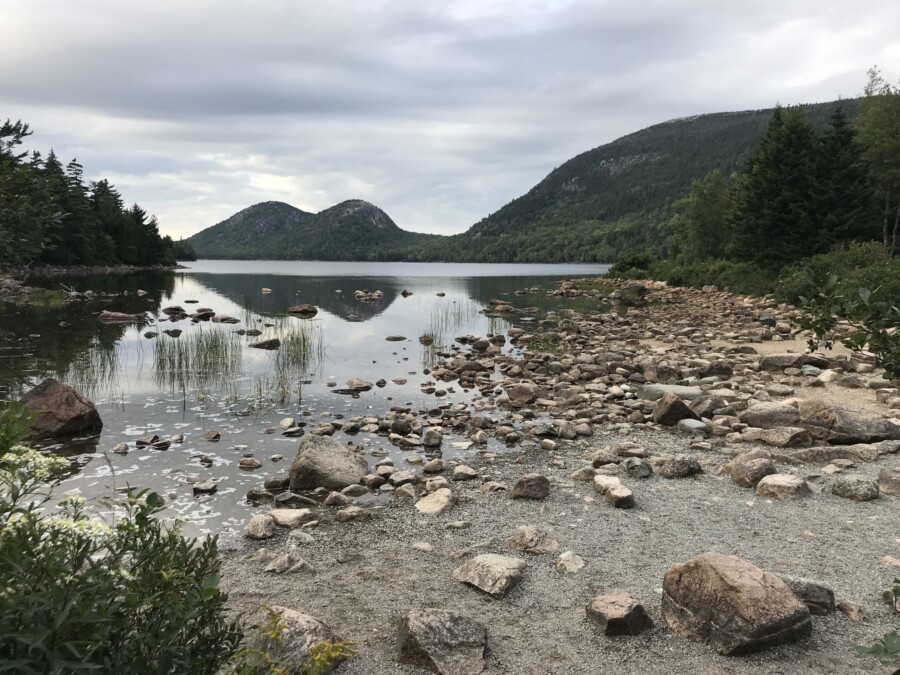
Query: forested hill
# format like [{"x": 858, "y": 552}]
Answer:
[
  {"x": 351, "y": 230},
  {"x": 617, "y": 196}
]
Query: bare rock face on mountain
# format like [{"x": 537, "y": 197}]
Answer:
[
  {"x": 60, "y": 411},
  {"x": 323, "y": 462},
  {"x": 732, "y": 605}
]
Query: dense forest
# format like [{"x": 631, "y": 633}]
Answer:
[
  {"x": 50, "y": 216},
  {"x": 828, "y": 199}
]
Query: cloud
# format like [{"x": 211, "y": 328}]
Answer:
[{"x": 440, "y": 112}]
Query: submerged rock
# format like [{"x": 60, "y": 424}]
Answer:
[{"x": 59, "y": 410}]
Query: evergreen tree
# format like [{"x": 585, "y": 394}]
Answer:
[{"x": 699, "y": 220}]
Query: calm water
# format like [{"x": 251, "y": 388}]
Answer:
[{"x": 209, "y": 378}]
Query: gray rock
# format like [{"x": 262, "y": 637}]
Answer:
[
  {"x": 889, "y": 481},
  {"x": 620, "y": 497},
  {"x": 843, "y": 426},
  {"x": 786, "y": 437},
  {"x": 747, "y": 473},
  {"x": 680, "y": 466},
  {"x": 693, "y": 427},
  {"x": 653, "y": 392},
  {"x": 636, "y": 467},
  {"x": 493, "y": 574},
  {"x": 261, "y": 526},
  {"x": 569, "y": 563},
  {"x": 323, "y": 462},
  {"x": 618, "y": 614},
  {"x": 443, "y": 641},
  {"x": 732, "y": 605},
  {"x": 856, "y": 488},
  {"x": 436, "y": 502},
  {"x": 530, "y": 539},
  {"x": 531, "y": 486},
  {"x": 768, "y": 415}
]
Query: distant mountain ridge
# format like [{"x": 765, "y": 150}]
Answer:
[
  {"x": 612, "y": 198},
  {"x": 352, "y": 230}
]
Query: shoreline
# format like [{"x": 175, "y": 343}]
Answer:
[{"x": 367, "y": 564}]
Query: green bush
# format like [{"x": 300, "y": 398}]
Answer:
[{"x": 78, "y": 595}]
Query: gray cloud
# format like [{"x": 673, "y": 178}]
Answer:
[{"x": 440, "y": 112}]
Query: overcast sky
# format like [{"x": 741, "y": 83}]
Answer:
[{"x": 439, "y": 112}]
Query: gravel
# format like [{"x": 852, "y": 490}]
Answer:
[{"x": 368, "y": 574}]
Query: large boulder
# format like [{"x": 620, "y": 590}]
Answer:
[
  {"x": 59, "y": 411},
  {"x": 323, "y": 462},
  {"x": 843, "y": 426},
  {"x": 732, "y": 605},
  {"x": 442, "y": 641},
  {"x": 299, "y": 633}
]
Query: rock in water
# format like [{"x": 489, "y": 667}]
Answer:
[
  {"x": 59, "y": 411},
  {"x": 303, "y": 311},
  {"x": 299, "y": 633},
  {"x": 323, "y": 462},
  {"x": 618, "y": 614},
  {"x": 443, "y": 641},
  {"x": 732, "y": 605},
  {"x": 493, "y": 574}
]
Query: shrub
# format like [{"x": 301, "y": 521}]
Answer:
[{"x": 78, "y": 595}]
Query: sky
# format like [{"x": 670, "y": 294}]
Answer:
[{"x": 438, "y": 112}]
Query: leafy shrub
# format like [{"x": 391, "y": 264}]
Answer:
[
  {"x": 886, "y": 650},
  {"x": 78, "y": 595}
]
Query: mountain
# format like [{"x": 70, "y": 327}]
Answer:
[
  {"x": 351, "y": 230},
  {"x": 613, "y": 198}
]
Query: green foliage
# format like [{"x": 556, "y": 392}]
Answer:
[
  {"x": 874, "y": 316},
  {"x": 49, "y": 216},
  {"x": 886, "y": 650},
  {"x": 699, "y": 220},
  {"x": 78, "y": 595}
]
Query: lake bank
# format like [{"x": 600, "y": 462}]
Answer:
[{"x": 570, "y": 408}]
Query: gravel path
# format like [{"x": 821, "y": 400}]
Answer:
[{"x": 368, "y": 574}]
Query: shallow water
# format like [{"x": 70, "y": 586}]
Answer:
[{"x": 209, "y": 378}]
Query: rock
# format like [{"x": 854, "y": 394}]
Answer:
[
  {"x": 522, "y": 393},
  {"x": 732, "y": 605},
  {"x": 261, "y": 526},
  {"x": 432, "y": 437},
  {"x": 298, "y": 635},
  {"x": 464, "y": 472},
  {"x": 352, "y": 513},
  {"x": 531, "y": 486},
  {"x": 843, "y": 426},
  {"x": 323, "y": 462},
  {"x": 493, "y": 574},
  {"x": 620, "y": 497},
  {"x": 889, "y": 481},
  {"x": 530, "y": 539},
  {"x": 59, "y": 410},
  {"x": 769, "y": 415},
  {"x": 357, "y": 384},
  {"x": 405, "y": 493},
  {"x": 670, "y": 410},
  {"x": 782, "y": 486},
  {"x": 249, "y": 463},
  {"x": 618, "y": 614},
  {"x": 272, "y": 343},
  {"x": 749, "y": 472},
  {"x": 258, "y": 495},
  {"x": 856, "y": 488},
  {"x": 654, "y": 392},
  {"x": 436, "y": 502},
  {"x": 569, "y": 563},
  {"x": 443, "y": 641},
  {"x": 786, "y": 437},
  {"x": 819, "y": 598},
  {"x": 693, "y": 427},
  {"x": 206, "y": 487},
  {"x": 680, "y": 466},
  {"x": 777, "y": 362},
  {"x": 121, "y": 449},
  {"x": 636, "y": 467},
  {"x": 604, "y": 483},
  {"x": 212, "y": 436},
  {"x": 303, "y": 311},
  {"x": 291, "y": 518},
  {"x": 120, "y": 317}
]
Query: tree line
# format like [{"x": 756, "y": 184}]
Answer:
[
  {"x": 49, "y": 215},
  {"x": 801, "y": 193}
]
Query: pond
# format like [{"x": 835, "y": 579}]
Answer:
[{"x": 209, "y": 378}]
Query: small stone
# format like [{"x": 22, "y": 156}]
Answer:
[
  {"x": 782, "y": 486},
  {"x": 464, "y": 472},
  {"x": 291, "y": 518},
  {"x": 249, "y": 463},
  {"x": 212, "y": 436},
  {"x": 261, "y": 526},
  {"x": 423, "y": 546},
  {"x": 530, "y": 539},
  {"x": 889, "y": 481},
  {"x": 856, "y": 488},
  {"x": 680, "y": 466},
  {"x": 636, "y": 467},
  {"x": 493, "y": 574},
  {"x": 351, "y": 513},
  {"x": 436, "y": 502},
  {"x": 620, "y": 497},
  {"x": 405, "y": 493},
  {"x": 336, "y": 499},
  {"x": 748, "y": 473},
  {"x": 442, "y": 640},
  {"x": 618, "y": 614},
  {"x": 206, "y": 487},
  {"x": 121, "y": 449}
]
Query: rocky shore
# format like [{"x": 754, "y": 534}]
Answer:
[{"x": 597, "y": 465}]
